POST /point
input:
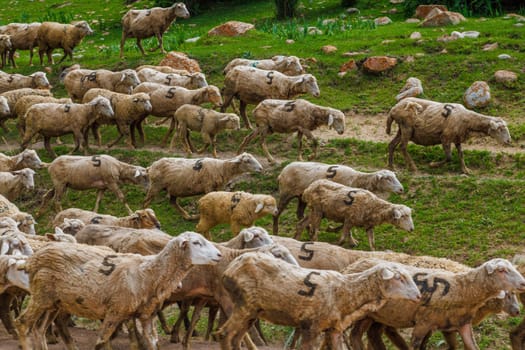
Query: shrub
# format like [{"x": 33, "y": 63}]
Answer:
[{"x": 285, "y": 8}]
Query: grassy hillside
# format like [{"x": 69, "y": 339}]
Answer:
[{"x": 467, "y": 218}]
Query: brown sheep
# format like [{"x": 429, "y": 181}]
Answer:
[
  {"x": 427, "y": 123},
  {"x": 26, "y": 159},
  {"x": 163, "y": 69},
  {"x": 23, "y": 37},
  {"x": 5, "y": 47},
  {"x": 13, "y": 96},
  {"x": 143, "y": 24},
  {"x": 24, "y": 103},
  {"x": 143, "y": 218},
  {"x": 37, "y": 80},
  {"x": 288, "y": 65},
  {"x": 53, "y": 35}
]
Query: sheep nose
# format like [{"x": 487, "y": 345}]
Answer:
[{"x": 157, "y": 226}]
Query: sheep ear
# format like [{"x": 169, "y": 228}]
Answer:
[
  {"x": 330, "y": 120},
  {"x": 396, "y": 214},
  {"x": 51, "y": 237},
  {"x": 183, "y": 244},
  {"x": 501, "y": 294},
  {"x": 259, "y": 207},
  {"x": 278, "y": 59},
  {"x": 58, "y": 231},
  {"x": 5, "y": 248},
  {"x": 387, "y": 274},
  {"x": 224, "y": 119},
  {"x": 123, "y": 77},
  {"x": 248, "y": 236},
  {"x": 137, "y": 173},
  {"x": 493, "y": 125},
  {"x": 11, "y": 262},
  {"x": 491, "y": 267}
]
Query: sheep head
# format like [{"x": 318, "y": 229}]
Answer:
[
  {"x": 281, "y": 252},
  {"x": 129, "y": 78},
  {"x": 265, "y": 205},
  {"x": 142, "y": 102},
  {"x": 5, "y": 41},
  {"x": 212, "y": 94},
  {"x": 180, "y": 10},
  {"x": 16, "y": 275},
  {"x": 199, "y": 249},
  {"x": 30, "y": 159},
  {"x": 146, "y": 218},
  {"x": 395, "y": 281},
  {"x": 198, "y": 80},
  {"x": 27, "y": 177},
  {"x": 255, "y": 236},
  {"x": 402, "y": 217},
  {"x": 293, "y": 66},
  {"x": 39, "y": 81},
  {"x": 231, "y": 121},
  {"x": 4, "y": 106},
  {"x": 498, "y": 129},
  {"x": 60, "y": 236},
  {"x": 387, "y": 181},
  {"x": 308, "y": 84},
  {"x": 140, "y": 176},
  {"x": 14, "y": 243},
  {"x": 504, "y": 275},
  {"x": 247, "y": 163},
  {"x": 336, "y": 120},
  {"x": 103, "y": 107},
  {"x": 71, "y": 226},
  {"x": 84, "y": 28}
]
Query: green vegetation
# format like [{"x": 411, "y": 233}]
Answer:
[{"x": 470, "y": 219}]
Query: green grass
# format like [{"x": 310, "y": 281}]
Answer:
[{"x": 470, "y": 219}]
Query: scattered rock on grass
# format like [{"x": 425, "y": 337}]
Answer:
[
  {"x": 347, "y": 66},
  {"x": 381, "y": 21},
  {"x": 490, "y": 47},
  {"x": 504, "y": 56},
  {"x": 379, "y": 64},
  {"x": 477, "y": 95},
  {"x": 180, "y": 60},
  {"x": 231, "y": 28},
  {"x": 438, "y": 18},
  {"x": 415, "y": 36},
  {"x": 329, "y": 49},
  {"x": 422, "y": 11},
  {"x": 506, "y": 77}
]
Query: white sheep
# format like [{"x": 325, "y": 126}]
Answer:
[
  {"x": 129, "y": 110},
  {"x": 188, "y": 80},
  {"x": 163, "y": 69},
  {"x": 57, "y": 119},
  {"x": 206, "y": 121},
  {"x": 26, "y": 159},
  {"x": 250, "y": 237},
  {"x": 5, "y": 47},
  {"x": 12, "y": 97},
  {"x": 79, "y": 81},
  {"x": 53, "y": 35},
  {"x": 166, "y": 100},
  {"x": 182, "y": 177},
  {"x": 37, "y": 80},
  {"x": 14, "y": 182},
  {"x": 252, "y": 86},
  {"x": 352, "y": 207},
  {"x": 316, "y": 301},
  {"x": 23, "y": 37},
  {"x": 99, "y": 172},
  {"x": 143, "y": 24},
  {"x": 143, "y": 218},
  {"x": 25, "y": 102},
  {"x": 26, "y": 222},
  {"x": 288, "y": 65},
  {"x": 4, "y": 107},
  {"x": 239, "y": 209},
  {"x": 297, "y": 176},
  {"x": 427, "y": 123},
  {"x": 89, "y": 283},
  {"x": 289, "y": 116}
]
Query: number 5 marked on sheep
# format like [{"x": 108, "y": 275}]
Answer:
[
  {"x": 331, "y": 172},
  {"x": 309, "y": 253},
  {"x": 96, "y": 161},
  {"x": 198, "y": 165},
  {"x": 425, "y": 289},
  {"x": 309, "y": 284},
  {"x": 351, "y": 200},
  {"x": 171, "y": 93},
  {"x": 111, "y": 266}
]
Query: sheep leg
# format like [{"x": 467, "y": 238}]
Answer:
[
  {"x": 301, "y": 225},
  {"x": 5, "y": 313},
  {"x": 26, "y": 322},
  {"x": 212, "y": 315},
  {"x": 392, "y": 147},
  {"x": 208, "y": 140},
  {"x": 405, "y": 137},
  {"x": 95, "y": 130},
  {"x": 283, "y": 202},
  {"x": 149, "y": 334},
  {"x": 300, "y": 146},
  {"x": 315, "y": 223},
  {"x": 184, "y": 213},
  {"x": 247, "y": 140},
  {"x": 50, "y": 59},
  {"x": 450, "y": 338},
  {"x": 152, "y": 192},
  {"x": 262, "y": 140},
  {"x": 467, "y": 335},
  {"x": 108, "y": 327},
  {"x": 464, "y": 168},
  {"x": 347, "y": 233},
  {"x": 418, "y": 337},
  {"x": 122, "y": 41},
  {"x": 184, "y": 307},
  {"x": 356, "y": 334},
  {"x": 161, "y": 43},
  {"x": 371, "y": 239},
  {"x": 448, "y": 156},
  {"x": 139, "y": 44},
  {"x": 41, "y": 55},
  {"x": 227, "y": 101},
  {"x": 113, "y": 187},
  {"x": 517, "y": 335},
  {"x": 100, "y": 193},
  {"x": 61, "y": 323},
  {"x": 47, "y": 145},
  {"x": 199, "y": 305},
  {"x": 170, "y": 130},
  {"x": 315, "y": 143},
  {"x": 242, "y": 111},
  {"x": 232, "y": 327},
  {"x": 67, "y": 52}
]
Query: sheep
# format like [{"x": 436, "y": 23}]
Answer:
[
  {"x": 99, "y": 172},
  {"x": 163, "y": 69},
  {"x": 14, "y": 182},
  {"x": 143, "y": 218},
  {"x": 12, "y": 97},
  {"x": 353, "y": 207},
  {"x": 189, "y": 80},
  {"x": 11, "y": 272},
  {"x": 141, "y": 24},
  {"x": 26, "y": 159},
  {"x": 288, "y": 116},
  {"x": 166, "y": 100},
  {"x": 23, "y": 104},
  {"x": 79, "y": 81},
  {"x": 326, "y": 301},
  {"x": 4, "y": 107},
  {"x": 23, "y": 37},
  {"x": 451, "y": 307},
  {"x": 112, "y": 288},
  {"x": 426, "y": 123},
  {"x": 235, "y": 208},
  {"x": 252, "y": 85},
  {"x": 56, "y": 119},
  {"x": 250, "y": 237},
  {"x": 129, "y": 110},
  {"x": 288, "y": 65},
  {"x": 207, "y": 121},
  {"x": 71, "y": 226},
  {"x": 25, "y": 221},
  {"x": 37, "y": 80},
  {"x": 53, "y": 35},
  {"x": 5, "y": 47},
  {"x": 182, "y": 177}
]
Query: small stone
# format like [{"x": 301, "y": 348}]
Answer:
[
  {"x": 490, "y": 47},
  {"x": 457, "y": 35},
  {"x": 48, "y": 69},
  {"x": 395, "y": 2},
  {"x": 420, "y": 54},
  {"x": 506, "y": 77},
  {"x": 518, "y": 25},
  {"x": 381, "y": 21},
  {"x": 477, "y": 95},
  {"x": 352, "y": 10},
  {"x": 443, "y": 52},
  {"x": 504, "y": 56},
  {"x": 328, "y": 49},
  {"x": 415, "y": 36},
  {"x": 342, "y": 74},
  {"x": 387, "y": 41},
  {"x": 472, "y": 34},
  {"x": 314, "y": 31},
  {"x": 379, "y": 64},
  {"x": 290, "y": 41},
  {"x": 192, "y": 40},
  {"x": 328, "y": 21},
  {"x": 352, "y": 53},
  {"x": 266, "y": 47},
  {"x": 180, "y": 60},
  {"x": 412, "y": 20},
  {"x": 350, "y": 65},
  {"x": 392, "y": 11},
  {"x": 410, "y": 59},
  {"x": 231, "y": 28},
  {"x": 412, "y": 88},
  {"x": 446, "y": 38}
]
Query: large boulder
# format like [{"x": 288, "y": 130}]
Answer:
[
  {"x": 422, "y": 11},
  {"x": 179, "y": 60},
  {"x": 438, "y": 18},
  {"x": 231, "y": 28},
  {"x": 379, "y": 64},
  {"x": 477, "y": 95}
]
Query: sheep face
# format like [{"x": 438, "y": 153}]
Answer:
[
  {"x": 5, "y": 41},
  {"x": 505, "y": 275},
  {"x": 214, "y": 95},
  {"x": 146, "y": 218},
  {"x": 84, "y": 28},
  {"x": 231, "y": 121},
  {"x": 388, "y": 182},
  {"x": 103, "y": 107},
  {"x": 180, "y": 10},
  {"x": 27, "y": 177},
  {"x": 201, "y": 251},
  {"x": 281, "y": 252},
  {"x": 336, "y": 120},
  {"x": 60, "y": 236},
  {"x": 14, "y": 243},
  {"x": 198, "y": 80},
  {"x": 26, "y": 224},
  {"x": 71, "y": 226},
  {"x": 511, "y": 304},
  {"x": 498, "y": 130},
  {"x": 4, "y": 106},
  {"x": 397, "y": 282},
  {"x": 248, "y": 163},
  {"x": 402, "y": 218},
  {"x": 16, "y": 275},
  {"x": 255, "y": 236},
  {"x": 265, "y": 205},
  {"x": 292, "y": 65},
  {"x": 129, "y": 78},
  {"x": 143, "y": 102},
  {"x": 30, "y": 159},
  {"x": 40, "y": 81},
  {"x": 309, "y": 85}
]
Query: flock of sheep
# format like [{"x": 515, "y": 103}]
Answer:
[{"x": 124, "y": 270}]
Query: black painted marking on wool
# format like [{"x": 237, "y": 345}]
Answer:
[
  {"x": 331, "y": 171},
  {"x": 309, "y": 284},
  {"x": 198, "y": 165},
  {"x": 171, "y": 93},
  {"x": 447, "y": 110},
  {"x": 96, "y": 161},
  {"x": 111, "y": 266},
  {"x": 309, "y": 253},
  {"x": 269, "y": 78},
  {"x": 351, "y": 199}
]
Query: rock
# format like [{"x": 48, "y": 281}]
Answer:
[
  {"x": 446, "y": 38},
  {"x": 341, "y": 74},
  {"x": 192, "y": 40},
  {"x": 442, "y": 18},
  {"x": 290, "y": 41},
  {"x": 180, "y": 60},
  {"x": 329, "y": 49},
  {"x": 379, "y": 64},
  {"x": 420, "y": 54},
  {"x": 422, "y": 11},
  {"x": 458, "y": 35},
  {"x": 477, "y": 95},
  {"x": 412, "y": 88},
  {"x": 504, "y": 56},
  {"x": 412, "y": 20},
  {"x": 415, "y": 36},
  {"x": 353, "y": 53},
  {"x": 352, "y": 10},
  {"x": 231, "y": 28},
  {"x": 392, "y": 11},
  {"x": 490, "y": 47},
  {"x": 381, "y": 21},
  {"x": 328, "y": 21},
  {"x": 472, "y": 34},
  {"x": 518, "y": 25},
  {"x": 48, "y": 70},
  {"x": 314, "y": 31},
  {"x": 350, "y": 65},
  {"x": 443, "y": 52},
  {"x": 506, "y": 77}
]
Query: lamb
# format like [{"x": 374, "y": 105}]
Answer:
[
  {"x": 251, "y": 237},
  {"x": 182, "y": 177},
  {"x": 99, "y": 172},
  {"x": 25, "y": 221},
  {"x": 353, "y": 207},
  {"x": 56, "y": 119},
  {"x": 288, "y": 65},
  {"x": 288, "y": 116},
  {"x": 53, "y": 35},
  {"x": 166, "y": 100},
  {"x": 451, "y": 307},
  {"x": 252, "y": 85},
  {"x": 189, "y": 80},
  {"x": 143, "y": 218},
  {"x": 326, "y": 300},
  {"x": 37, "y": 80},
  {"x": 143, "y": 24},
  {"x": 23, "y": 37},
  {"x": 26, "y": 159},
  {"x": 13, "y": 183},
  {"x": 129, "y": 110},
  {"x": 163, "y": 69},
  {"x": 23, "y": 104},
  {"x": 426, "y": 123},
  {"x": 79, "y": 81},
  {"x": 207, "y": 121},
  {"x": 297, "y": 176},
  {"x": 12, "y": 97},
  {"x": 5, "y": 46},
  {"x": 102, "y": 289},
  {"x": 235, "y": 208}
]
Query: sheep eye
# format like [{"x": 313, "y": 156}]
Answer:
[{"x": 197, "y": 243}]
